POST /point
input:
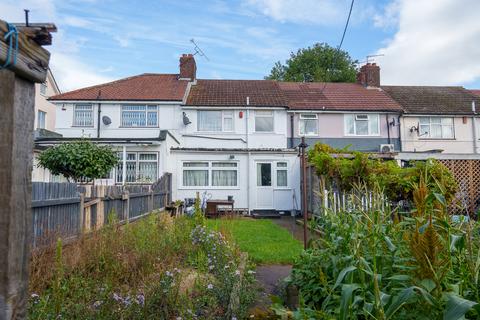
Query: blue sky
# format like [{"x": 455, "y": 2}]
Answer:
[{"x": 102, "y": 40}]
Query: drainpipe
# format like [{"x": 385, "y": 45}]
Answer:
[
  {"x": 474, "y": 128},
  {"x": 399, "y": 136},
  {"x": 247, "y": 118},
  {"x": 388, "y": 130},
  {"x": 98, "y": 119},
  {"x": 291, "y": 129}
]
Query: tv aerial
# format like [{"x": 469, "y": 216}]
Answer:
[{"x": 198, "y": 50}]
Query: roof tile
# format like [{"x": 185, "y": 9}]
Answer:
[{"x": 147, "y": 86}]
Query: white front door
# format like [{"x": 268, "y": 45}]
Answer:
[{"x": 264, "y": 182}]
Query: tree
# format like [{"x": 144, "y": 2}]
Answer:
[
  {"x": 79, "y": 159},
  {"x": 316, "y": 64}
]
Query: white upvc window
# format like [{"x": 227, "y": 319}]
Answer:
[
  {"x": 139, "y": 116},
  {"x": 41, "y": 119},
  {"x": 141, "y": 167},
  {"x": 43, "y": 88},
  {"x": 282, "y": 174},
  {"x": 83, "y": 115},
  {"x": 215, "y": 120},
  {"x": 308, "y": 124},
  {"x": 214, "y": 174},
  {"x": 264, "y": 121},
  {"x": 362, "y": 124},
  {"x": 436, "y": 128}
]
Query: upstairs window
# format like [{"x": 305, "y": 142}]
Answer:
[
  {"x": 41, "y": 119},
  {"x": 83, "y": 115},
  {"x": 263, "y": 121},
  {"x": 362, "y": 125},
  {"x": 308, "y": 125},
  {"x": 43, "y": 88},
  {"x": 436, "y": 128},
  {"x": 139, "y": 116},
  {"x": 213, "y": 121}
]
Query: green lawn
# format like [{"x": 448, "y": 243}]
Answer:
[{"x": 264, "y": 241}]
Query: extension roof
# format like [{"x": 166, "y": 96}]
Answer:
[
  {"x": 433, "y": 100},
  {"x": 336, "y": 97},
  {"x": 261, "y": 93},
  {"x": 143, "y": 87}
]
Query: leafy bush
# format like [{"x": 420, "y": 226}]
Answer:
[
  {"x": 79, "y": 159},
  {"x": 150, "y": 269},
  {"x": 369, "y": 266},
  {"x": 352, "y": 169}
]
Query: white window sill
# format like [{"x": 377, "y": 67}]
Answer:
[{"x": 208, "y": 188}]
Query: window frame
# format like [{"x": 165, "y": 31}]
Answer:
[
  {"x": 137, "y": 162},
  {"x": 301, "y": 117},
  {"x": 75, "y": 115},
  {"x": 44, "y": 119},
  {"x": 145, "y": 112},
  {"x": 258, "y": 114},
  {"x": 43, "y": 88},
  {"x": 210, "y": 168},
  {"x": 222, "y": 120},
  {"x": 429, "y": 137},
  {"x": 355, "y": 116},
  {"x": 277, "y": 169}
]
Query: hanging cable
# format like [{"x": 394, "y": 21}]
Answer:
[
  {"x": 341, "y": 41},
  {"x": 12, "y": 38}
]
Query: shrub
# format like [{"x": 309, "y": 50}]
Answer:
[{"x": 78, "y": 160}]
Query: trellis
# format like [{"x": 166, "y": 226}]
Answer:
[{"x": 467, "y": 174}]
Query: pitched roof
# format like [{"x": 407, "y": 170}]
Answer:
[
  {"x": 433, "y": 100},
  {"x": 262, "y": 93},
  {"x": 475, "y": 92},
  {"x": 147, "y": 86},
  {"x": 336, "y": 96}
]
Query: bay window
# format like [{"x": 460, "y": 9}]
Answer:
[
  {"x": 210, "y": 174},
  {"x": 83, "y": 115},
  {"x": 139, "y": 116},
  {"x": 308, "y": 125},
  {"x": 210, "y": 120},
  {"x": 436, "y": 128},
  {"x": 362, "y": 124},
  {"x": 263, "y": 121}
]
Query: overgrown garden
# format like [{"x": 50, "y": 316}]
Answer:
[{"x": 382, "y": 264}]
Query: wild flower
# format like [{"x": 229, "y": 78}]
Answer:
[
  {"x": 237, "y": 272},
  {"x": 210, "y": 286},
  {"x": 117, "y": 297},
  {"x": 35, "y": 296},
  {"x": 97, "y": 304},
  {"x": 140, "y": 299}
]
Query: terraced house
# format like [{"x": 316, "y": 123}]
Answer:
[{"x": 237, "y": 138}]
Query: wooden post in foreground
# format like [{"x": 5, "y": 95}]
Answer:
[
  {"x": 303, "y": 163},
  {"x": 17, "y": 94}
]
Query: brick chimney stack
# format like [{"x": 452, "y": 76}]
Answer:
[
  {"x": 369, "y": 75},
  {"x": 188, "y": 67}
]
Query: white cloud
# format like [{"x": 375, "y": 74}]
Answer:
[
  {"x": 436, "y": 43},
  {"x": 389, "y": 18},
  {"x": 322, "y": 12}
]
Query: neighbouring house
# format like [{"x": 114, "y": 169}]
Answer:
[
  {"x": 437, "y": 119},
  {"x": 358, "y": 115},
  {"x": 45, "y": 119}
]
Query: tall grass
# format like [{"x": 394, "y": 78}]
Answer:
[{"x": 150, "y": 269}]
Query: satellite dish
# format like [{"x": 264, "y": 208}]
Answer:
[
  {"x": 106, "y": 120},
  {"x": 186, "y": 121}
]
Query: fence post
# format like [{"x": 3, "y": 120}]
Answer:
[
  {"x": 126, "y": 205},
  {"x": 81, "y": 219},
  {"x": 150, "y": 199},
  {"x": 100, "y": 194},
  {"x": 325, "y": 201}
]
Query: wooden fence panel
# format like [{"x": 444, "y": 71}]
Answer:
[{"x": 56, "y": 211}]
